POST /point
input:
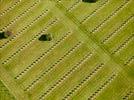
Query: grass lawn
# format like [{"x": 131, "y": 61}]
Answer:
[{"x": 90, "y": 55}]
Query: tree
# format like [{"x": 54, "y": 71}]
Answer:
[
  {"x": 5, "y": 34},
  {"x": 2, "y": 35},
  {"x": 45, "y": 37},
  {"x": 90, "y": 1}
]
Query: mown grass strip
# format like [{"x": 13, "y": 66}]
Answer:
[
  {"x": 42, "y": 56},
  {"x": 13, "y": 87},
  {"x": 24, "y": 29},
  {"x": 87, "y": 78},
  {"x": 20, "y": 16},
  {"x": 102, "y": 5},
  {"x": 102, "y": 86},
  {"x": 9, "y": 8},
  {"x": 128, "y": 95},
  {"x": 28, "y": 43},
  {"x": 115, "y": 12},
  {"x": 5, "y": 93},
  {"x": 46, "y": 71},
  {"x": 130, "y": 60},
  {"x": 123, "y": 24},
  {"x": 122, "y": 45},
  {"x": 65, "y": 76}
]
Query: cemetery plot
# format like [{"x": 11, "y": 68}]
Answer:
[{"x": 66, "y": 49}]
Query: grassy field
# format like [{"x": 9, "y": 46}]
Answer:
[
  {"x": 90, "y": 55},
  {"x": 4, "y": 93}
]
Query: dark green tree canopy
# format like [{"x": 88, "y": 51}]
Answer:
[
  {"x": 5, "y": 34},
  {"x": 45, "y": 37},
  {"x": 90, "y": 1}
]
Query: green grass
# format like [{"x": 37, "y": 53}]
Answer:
[
  {"x": 4, "y": 93},
  {"x": 89, "y": 57}
]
